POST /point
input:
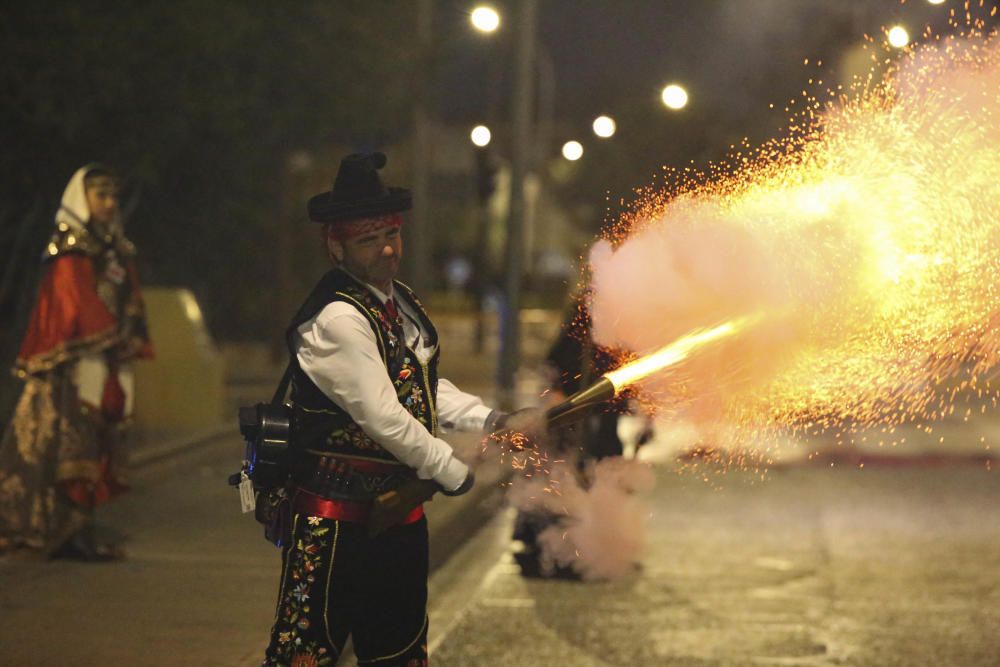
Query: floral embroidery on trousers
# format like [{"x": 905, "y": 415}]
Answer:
[{"x": 336, "y": 581}]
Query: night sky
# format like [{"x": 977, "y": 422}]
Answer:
[{"x": 734, "y": 57}]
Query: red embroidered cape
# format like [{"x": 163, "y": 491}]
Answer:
[{"x": 70, "y": 319}]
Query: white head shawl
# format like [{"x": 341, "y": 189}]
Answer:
[{"x": 74, "y": 211}]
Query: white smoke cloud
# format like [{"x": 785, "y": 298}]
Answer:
[
  {"x": 600, "y": 532},
  {"x": 869, "y": 251}
]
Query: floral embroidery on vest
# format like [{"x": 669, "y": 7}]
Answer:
[{"x": 413, "y": 382}]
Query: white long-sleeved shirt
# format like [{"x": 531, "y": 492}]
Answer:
[{"x": 338, "y": 351}]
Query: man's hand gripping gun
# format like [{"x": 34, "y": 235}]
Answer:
[{"x": 393, "y": 506}]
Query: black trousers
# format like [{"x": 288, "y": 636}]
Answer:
[{"x": 337, "y": 582}]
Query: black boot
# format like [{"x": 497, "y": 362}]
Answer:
[{"x": 83, "y": 546}]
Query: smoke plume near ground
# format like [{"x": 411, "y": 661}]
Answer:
[
  {"x": 867, "y": 247},
  {"x": 599, "y": 529}
]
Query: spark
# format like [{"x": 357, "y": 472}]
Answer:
[{"x": 865, "y": 239}]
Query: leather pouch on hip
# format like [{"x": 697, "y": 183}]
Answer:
[{"x": 274, "y": 511}]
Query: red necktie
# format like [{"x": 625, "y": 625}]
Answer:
[{"x": 390, "y": 307}]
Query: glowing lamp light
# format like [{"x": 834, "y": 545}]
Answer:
[
  {"x": 936, "y": 2},
  {"x": 604, "y": 126},
  {"x": 485, "y": 19},
  {"x": 481, "y": 136},
  {"x": 572, "y": 150},
  {"x": 674, "y": 97},
  {"x": 898, "y": 37}
]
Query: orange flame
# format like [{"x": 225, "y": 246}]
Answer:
[{"x": 674, "y": 353}]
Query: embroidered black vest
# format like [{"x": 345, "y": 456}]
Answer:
[{"x": 322, "y": 427}]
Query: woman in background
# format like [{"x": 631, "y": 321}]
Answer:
[{"x": 61, "y": 455}]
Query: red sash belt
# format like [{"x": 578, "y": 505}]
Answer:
[{"x": 342, "y": 510}]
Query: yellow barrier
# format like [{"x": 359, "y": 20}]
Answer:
[{"x": 184, "y": 386}]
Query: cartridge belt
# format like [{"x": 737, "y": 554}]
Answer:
[
  {"x": 347, "y": 478},
  {"x": 370, "y": 465},
  {"x": 342, "y": 510}
]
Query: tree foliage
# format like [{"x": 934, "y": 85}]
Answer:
[{"x": 201, "y": 105}]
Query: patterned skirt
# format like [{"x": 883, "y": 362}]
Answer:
[{"x": 58, "y": 459}]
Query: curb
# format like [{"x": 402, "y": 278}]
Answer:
[
  {"x": 447, "y": 534},
  {"x": 449, "y": 527},
  {"x": 915, "y": 460}
]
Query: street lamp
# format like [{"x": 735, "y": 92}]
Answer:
[
  {"x": 572, "y": 150},
  {"x": 484, "y": 18},
  {"x": 936, "y": 2},
  {"x": 898, "y": 37},
  {"x": 674, "y": 97},
  {"x": 604, "y": 126},
  {"x": 481, "y": 136}
]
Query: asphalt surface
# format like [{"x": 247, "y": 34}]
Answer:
[{"x": 817, "y": 565}]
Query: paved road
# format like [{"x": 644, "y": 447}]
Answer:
[{"x": 817, "y": 566}]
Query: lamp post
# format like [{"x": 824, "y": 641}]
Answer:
[
  {"x": 524, "y": 135},
  {"x": 485, "y": 20},
  {"x": 485, "y": 185},
  {"x": 520, "y": 156},
  {"x": 419, "y": 244}
]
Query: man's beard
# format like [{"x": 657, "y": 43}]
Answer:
[{"x": 385, "y": 269}]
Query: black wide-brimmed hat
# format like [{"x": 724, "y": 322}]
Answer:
[{"x": 358, "y": 192}]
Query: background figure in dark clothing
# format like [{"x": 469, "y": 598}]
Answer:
[{"x": 575, "y": 362}]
